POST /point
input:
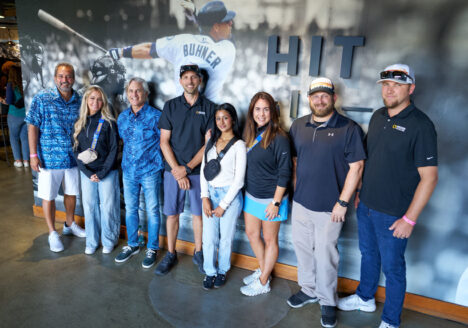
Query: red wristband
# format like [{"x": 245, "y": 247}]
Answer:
[
  {"x": 408, "y": 220},
  {"x": 32, "y": 155}
]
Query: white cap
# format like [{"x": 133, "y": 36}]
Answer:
[{"x": 409, "y": 79}]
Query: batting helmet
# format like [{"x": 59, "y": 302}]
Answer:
[{"x": 214, "y": 12}]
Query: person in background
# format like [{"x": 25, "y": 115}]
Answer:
[
  {"x": 96, "y": 130},
  {"x": 51, "y": 117},
  {"x": 267, "y": 177},
  {"x": 221, "y": 195},
  {"x": 16, "y": 114},
  {"x": 142, "y": 164}
]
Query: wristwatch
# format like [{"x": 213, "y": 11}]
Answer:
[
  {"x": 277, "y": 204},
  {"x": 187, "y": 169},
  {"x": 343, "y": 203}
]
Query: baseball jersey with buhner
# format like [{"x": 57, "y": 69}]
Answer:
[{"x": 216, "y": 58}]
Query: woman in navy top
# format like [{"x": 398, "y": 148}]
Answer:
[{"x": 267, "y": 177}]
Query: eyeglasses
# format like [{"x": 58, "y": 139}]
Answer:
[{"x": 396, "y": 75}]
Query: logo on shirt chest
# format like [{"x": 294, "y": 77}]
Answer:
[
  {"x": 199, "y": 112},
  {"x": 399, "y": 128},
  {"x": 331, "y": 134}
]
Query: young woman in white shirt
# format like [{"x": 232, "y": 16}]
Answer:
[{"x": 221, "y": 196}]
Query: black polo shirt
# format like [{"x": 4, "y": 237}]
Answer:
[
  {"x": 268, "y": 168},
  {"x": 323, "y": 155},
  {"x": 188, "y": 125},
  {"x": 396, "y": 147}
]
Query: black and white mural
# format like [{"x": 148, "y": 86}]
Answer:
[{"x": 429, "y": 35}]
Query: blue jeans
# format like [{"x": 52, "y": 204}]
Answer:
[
  {"x": 18, "y": 132},
  {"x": 150, "y": 186},
  {"x": 379, "y": 248},
  {"x": 219, "y": 233},
  {"x": 101, "y": 206}
]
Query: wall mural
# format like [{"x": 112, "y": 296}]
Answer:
[{"x": 429, "y": 35}]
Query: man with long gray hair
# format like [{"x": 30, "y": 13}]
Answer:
[{"x": 142, "y": 164}]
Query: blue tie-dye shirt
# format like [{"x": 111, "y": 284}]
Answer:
[
  {"x": 55, "y": 119},
  {"x": 140, "y": 134}
]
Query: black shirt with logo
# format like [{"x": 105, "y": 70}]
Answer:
[
  {"x": 396, "y": 147},
  {"x": 324, "y": 152},
  {"x": 188, "y": 125},
  {"x": 268, "y": 168}
]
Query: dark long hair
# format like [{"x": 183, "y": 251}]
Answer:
[
  {"x": 215, "y": 132},
  {"x": 273, "y": 127}
]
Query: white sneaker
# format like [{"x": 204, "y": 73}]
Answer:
[
  {"x": 25, "y": 163},
  {"x": 90, "y": 250},
  {"x": 252, "y": 277},
  {"x": 107, "y": 250},
  {"x": 74, "y": 229},
  {"x": 383, "y": 324},
  {"x": 256, "y": 288},
  {"x": 55, "y": 243},
  {"x": 18, "y": 164},
  {"x": 354, "y": 302}
]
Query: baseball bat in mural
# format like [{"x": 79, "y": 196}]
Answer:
[{"x": 49, "y": 19}]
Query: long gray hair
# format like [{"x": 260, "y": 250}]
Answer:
[{"x": 84, "y": 112}]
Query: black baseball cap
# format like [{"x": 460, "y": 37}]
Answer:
[{"x": 191, "y": 67}]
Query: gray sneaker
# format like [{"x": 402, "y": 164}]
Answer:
[
  {"x": 126, "y": 253},
  {"x": 300, "y": 299},
  {"x": 198, "y": 260},
  {"x": 150, "y": 258}
]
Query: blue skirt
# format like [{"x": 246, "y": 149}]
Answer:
[{"x": 257, "y": 206}]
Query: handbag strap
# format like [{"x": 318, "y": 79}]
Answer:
[
  {"x": 222, "y": 152},
  {"x": 96, "y": 134},
  {"x": 256, "y": 141}
]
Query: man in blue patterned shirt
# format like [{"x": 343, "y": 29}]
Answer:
[
  {"x": 51, "y": 117},
  {"x": 142, "y": 165}
]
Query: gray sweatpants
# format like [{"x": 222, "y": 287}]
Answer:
[{"x": 315, "y": 239}]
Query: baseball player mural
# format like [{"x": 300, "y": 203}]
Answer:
[{"x": 213, "y": 52}]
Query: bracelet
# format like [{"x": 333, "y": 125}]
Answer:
[
  {"x": 127, "y": 52},
  {"x": 358, "y": 190},
  {"x": 32, "y": 155},
  {"x": 409, "y": 221}
]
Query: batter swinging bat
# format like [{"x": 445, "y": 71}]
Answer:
[{"x": 48, "y": 18}]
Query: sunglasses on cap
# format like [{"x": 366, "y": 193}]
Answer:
[
  {"x": 186, "y": 68},
  {"x": 396, "y": 75}
]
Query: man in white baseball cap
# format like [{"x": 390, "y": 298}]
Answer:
[{"x": 399, "y": 177}]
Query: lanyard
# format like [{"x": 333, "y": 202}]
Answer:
[
  {"x": 257, "y": 140},
  {"x": 96, "y": 134}
]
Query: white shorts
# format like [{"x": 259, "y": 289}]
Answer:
[{"x": 48, "y": 182}]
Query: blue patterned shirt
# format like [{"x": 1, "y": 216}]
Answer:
[
  {"x": 140, "y": 134},
  {"x": 55, "y": 118}
]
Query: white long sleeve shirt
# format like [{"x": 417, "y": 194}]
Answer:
[{"x": 232, "y": 172}]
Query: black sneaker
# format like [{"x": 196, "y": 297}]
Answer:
[
  {"x": 126, "y": 253},
  {"x": 208, "y": 282},
  {"x": 166, "y": 264},
  {"x": 220, "y": 280},
  {"x": 300, "y": 299},
  {"x": 328, "y": 319},
  {"x": 150, "y": 258},
  {"x": 198, "y": 260}
]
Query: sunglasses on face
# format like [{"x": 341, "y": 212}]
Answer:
[
  {"x": 396, "y": 75},
  {"x": 186, "y": 68}
]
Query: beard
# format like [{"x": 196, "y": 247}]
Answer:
[
  {"x": 392, "y": 104},
  {"x": 323, "y": 112}
]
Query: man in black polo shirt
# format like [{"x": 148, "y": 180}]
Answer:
[
  {"x": 399, "y": 178},
  {"x": 183, "y": 124},
  {"x": 328, "y": 162}
]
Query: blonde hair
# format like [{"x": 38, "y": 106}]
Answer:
[{"x": 84, "y": 112}]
